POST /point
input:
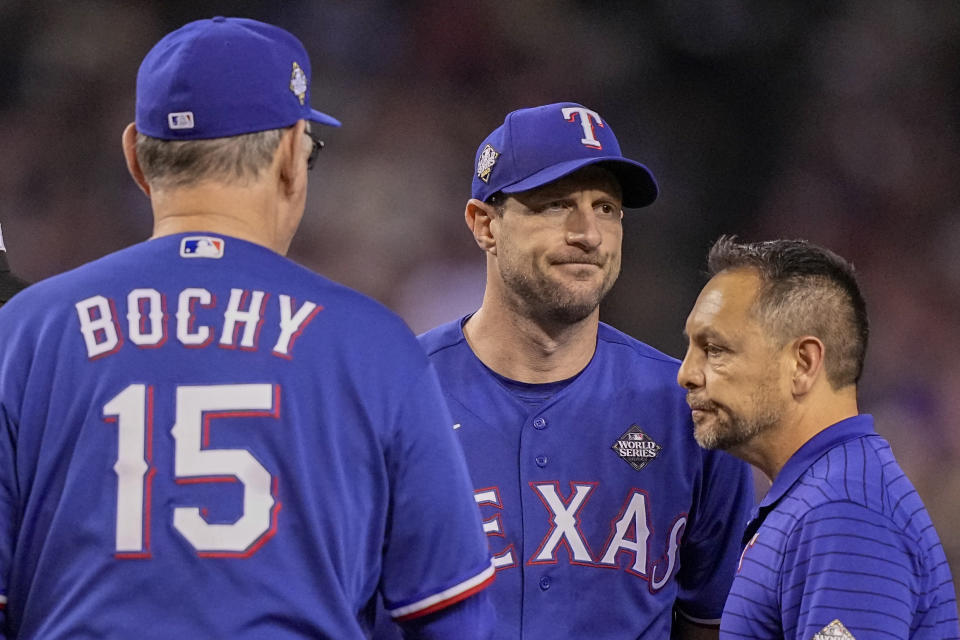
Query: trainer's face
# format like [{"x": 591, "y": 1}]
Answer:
[
  {"x": 558, "y": 246},
  {"x": 732, "y": 371}
]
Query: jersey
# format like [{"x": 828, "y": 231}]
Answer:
[
  {"x": 842, "y": 547},
  {"x": 601, "y": 510},
  {"x": 201, "y": 439}
]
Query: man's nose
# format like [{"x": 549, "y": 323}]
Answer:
[{"x": 582, "y": 228}]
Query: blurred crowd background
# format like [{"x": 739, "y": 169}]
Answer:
[{"x": 835, "y": 121}]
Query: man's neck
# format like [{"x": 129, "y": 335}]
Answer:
[
  {"x": 771, "y": 450},
  {"x": 243, "y": 213},
  {"x": 527, "y": 350}
]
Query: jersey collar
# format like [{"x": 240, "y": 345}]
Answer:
[{"x": 811, "y": 451}]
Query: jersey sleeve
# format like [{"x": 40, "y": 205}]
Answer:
[
  {"x": 435, "y": 551},
  {"x": 471, "y": 618},
  {"x": 845, "y": 564},
  {"x": 711, "y": 545}
]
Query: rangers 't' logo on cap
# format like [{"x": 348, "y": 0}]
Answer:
[
  {"x": 636, "y": 448},
  {"x": 488, "y": 158}
]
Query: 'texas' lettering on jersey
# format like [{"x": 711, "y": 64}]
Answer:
[
  {"x": 148, "y": 321},
  {"x": 630, "y": 531}
]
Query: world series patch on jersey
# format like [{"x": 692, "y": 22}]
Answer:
[
  {"x": 201, "y": 439},
  {"x": 600, "y": 509}
]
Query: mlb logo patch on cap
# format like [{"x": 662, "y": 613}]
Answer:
[
  {"x": 201, "y": 247},
  {"x": 180, "y": 120}
]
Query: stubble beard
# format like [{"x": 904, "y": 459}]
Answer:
[
  {"x": 733, "y": 430},
  {"x": 536, "y": 295}
]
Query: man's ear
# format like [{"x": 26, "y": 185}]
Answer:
[
  {"x": 291, "y": 159},
  {"x": 808, "y": 363},
  {"x": 479, "y": 217},
  {"x": 129, "y": 141}
]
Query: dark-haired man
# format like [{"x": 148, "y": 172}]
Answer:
[{"x": 841, "y": 546}]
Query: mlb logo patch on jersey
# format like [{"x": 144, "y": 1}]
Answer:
[
  {"x": 834, "y": 631},
  {"x": 636, "y": 448},
  {"x": 201, "y": 247}
]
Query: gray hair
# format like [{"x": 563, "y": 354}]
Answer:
[{"x": 182, "y": 163}]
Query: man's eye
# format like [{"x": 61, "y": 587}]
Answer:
[
  {"x": 712, "y": 350},
  {"x": 607, "y": 209},
  {"x": 554, "y": 207}
]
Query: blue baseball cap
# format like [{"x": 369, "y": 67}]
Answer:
[
  {"x": 224, "y": 77},
  {"x": 538, "y": 145}
]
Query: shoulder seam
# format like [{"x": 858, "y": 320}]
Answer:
[
  {"x": 657, "y": 356},
  {"x": 441, "y": 347}
]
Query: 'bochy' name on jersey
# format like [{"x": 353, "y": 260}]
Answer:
[{"x": 148, "y": 321}]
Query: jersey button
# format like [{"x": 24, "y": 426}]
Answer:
[
  {"x": 540, "y": 423},
  {"x": 545, "y": 583},
  {"x": 541, "y": 461}
]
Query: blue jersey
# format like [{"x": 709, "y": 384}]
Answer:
[
  {"x": 842, "y": 544},
  {"x": 601, "y": 510},
  {"x": 201, "y": 439}
]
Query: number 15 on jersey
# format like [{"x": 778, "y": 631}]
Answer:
[{"x": 196, "y": 406}]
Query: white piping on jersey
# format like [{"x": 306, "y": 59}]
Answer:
[{"x": 446, "y": 594}]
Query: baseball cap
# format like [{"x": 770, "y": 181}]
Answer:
[
  {"x": 224, "y": 77},
  {"x": 538, "y": 145}
]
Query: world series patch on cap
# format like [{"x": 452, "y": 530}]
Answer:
[
  {"x": 538, "y": 145},
  {"x": 224, "y": 77}
]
